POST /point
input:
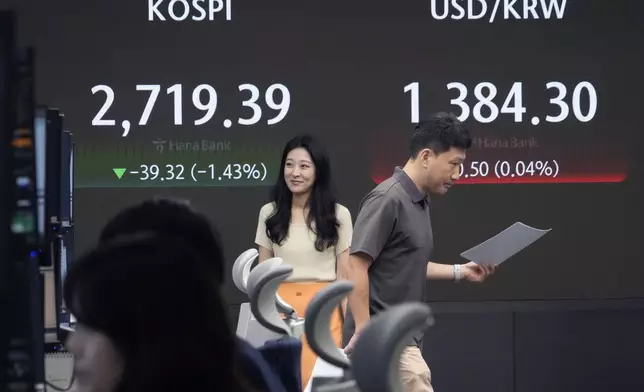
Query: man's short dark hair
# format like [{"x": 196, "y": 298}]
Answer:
[
  {"x": 440, "y": 132},
  {"x": 174, "y": 218}
]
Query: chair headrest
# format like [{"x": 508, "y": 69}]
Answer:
[
  {"x": 241, "y": 271},
  {"x": 375, "y": 359},
  {"x": 242, "y": 267},
  {"x": 263, "y": 282},
  {"x": 318, "y": 319}
]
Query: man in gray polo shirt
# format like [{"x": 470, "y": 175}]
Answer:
[{"x": 393, "y": 241}]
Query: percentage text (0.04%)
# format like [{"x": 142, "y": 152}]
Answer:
[{"x": 505, "y": 169}]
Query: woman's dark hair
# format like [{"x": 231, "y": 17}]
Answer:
[
  {"x": 175, "y": 218},
  {"x": 321, "y": 218},
  {"x": 153, "y": 297}
]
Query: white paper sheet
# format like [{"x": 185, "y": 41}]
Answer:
[{"x": 504, "y": 245}]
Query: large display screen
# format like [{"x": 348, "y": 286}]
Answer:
[{"x": 196, "y": 99}]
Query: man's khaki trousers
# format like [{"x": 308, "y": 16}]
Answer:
[{"x": 414, "y": 372}]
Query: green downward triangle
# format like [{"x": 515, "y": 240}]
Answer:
[{"x": 119, "y": 172}]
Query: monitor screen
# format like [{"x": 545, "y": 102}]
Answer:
[
  {"x": 40, "y": 136},
  {"x": 71, "y": 180},
  {"x": 65, "y": 319}
]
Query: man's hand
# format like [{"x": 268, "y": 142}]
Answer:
[
  {"x": 359, "y": 297},
  {"x": 475, "y": 272},
  {"x": 352, "y": 342}
]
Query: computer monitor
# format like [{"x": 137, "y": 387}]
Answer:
[
  {"x": 67, "y": 178},
  {"x": 59, "y": 231},
  {"x": 63, "y": 242},
  {"x": 6, "y": 121},
  {"x": 40, "y": 137},
  {"x": 21, "y": 290},
  {"x": 44, "y": 135},
  {"x": 66, "y": 249},
  {"x": 54, "y": 165}
]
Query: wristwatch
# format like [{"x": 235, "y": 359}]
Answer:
[{"x": 457, "y": 273}]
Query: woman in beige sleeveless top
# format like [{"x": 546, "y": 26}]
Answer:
[{"x": 308, "y": 229}]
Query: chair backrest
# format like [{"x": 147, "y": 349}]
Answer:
[
  {"x": 376, "y": 356},
  {"x": 241, "y": 271},
  {"x": 263, "y": 283},
  {"x": 242, "y": 267},
  {"x": 318, "y": 318}
]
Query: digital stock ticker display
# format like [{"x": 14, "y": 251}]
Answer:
[
  {"x": 197, "y": 98},
  {"x": 526, "y": 85}
]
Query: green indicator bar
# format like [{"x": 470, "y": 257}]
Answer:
[{"x": 119, "y": 172}]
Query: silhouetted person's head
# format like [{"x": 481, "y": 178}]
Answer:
[
  {"x": 148, "y": 319},
  {"x": 175, "y": 218}
]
